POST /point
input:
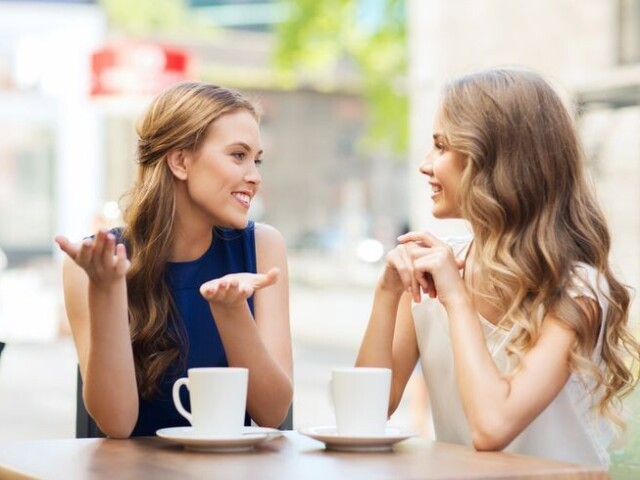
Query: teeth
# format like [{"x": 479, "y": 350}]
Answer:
[
  {"x": 436, "y": 189},
  {"x": 243, "y": 197}
]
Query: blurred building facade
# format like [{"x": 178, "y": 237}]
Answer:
[
  {"x": 591, "y": 49},
  {"x": 65, "y": 154},
  {"x": 51, "y": 168},
  {"x": 79, "y": 86}
]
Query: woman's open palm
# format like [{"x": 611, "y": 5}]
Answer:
[
  {"x": 101, "y": 258},
  {"x": 237, "y": 287}
]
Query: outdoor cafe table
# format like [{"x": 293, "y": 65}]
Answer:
[{"x": 291, "y": 456}]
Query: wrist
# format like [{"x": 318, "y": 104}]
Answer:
[
  {"x": 228, "y": 310},
  {"x": 457, "y": 303},
  {"x": 391, "y": 293},
  {"x": 106, "y": 287}
]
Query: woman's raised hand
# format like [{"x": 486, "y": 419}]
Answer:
[
  {"x": 399, "y": 273},
  {"x": 237, "y": 287},
  {"x": 101, "y": 258},
  {"x": 434, "y": 267}
]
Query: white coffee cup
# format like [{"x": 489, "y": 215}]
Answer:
[
  {"x": 360, "y": 400},
  {"x": 218, "y": 400}
]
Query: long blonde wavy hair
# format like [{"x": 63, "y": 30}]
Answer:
[
  {"x": 177, "y": 119},
  {"x": 534, "y": 215}
]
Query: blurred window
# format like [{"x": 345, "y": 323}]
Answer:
[
  {"x": 629, "y": 40},
  {"x": 26, "y": 188}
]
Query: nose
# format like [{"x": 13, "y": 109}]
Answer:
[
  {"x": 253, "y": 175},
  {"x": 426, "y": 166}
]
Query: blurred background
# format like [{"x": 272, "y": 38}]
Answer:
[{"x": 348, "y": 90}]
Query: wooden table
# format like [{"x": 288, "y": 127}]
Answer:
[{"x": 292, "y": 456}]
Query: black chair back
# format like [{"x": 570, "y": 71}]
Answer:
[{"x": 85, "y": 426}]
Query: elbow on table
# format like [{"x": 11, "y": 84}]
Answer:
[
  {"x": 274, "y": 421},
  {"x": 492, "y": 437},
  {"x": 117, "y": 430},
  {"x": 275, "y": 417},
  {"x": 114, "y": 420},
  {"x": 119, "y": 434},
  {"x": 117, "y": 426}
]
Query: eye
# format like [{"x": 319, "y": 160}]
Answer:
[
  {"x": 238, "y": 155},
  {"x": 258, "y": 161},
  {"x": 439, "y": 146}
]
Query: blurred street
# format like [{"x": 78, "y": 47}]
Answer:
[{"x": 37, "y": 378}]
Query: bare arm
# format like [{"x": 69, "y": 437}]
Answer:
[
  {"x": 498, "y": 407},
  {"x": 96, "y": 303},
  {"x": 390, "y": 340},
  {"x": 262, "y": 345}
]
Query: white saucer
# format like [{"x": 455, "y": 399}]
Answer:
[
  {"x": 346, "y": 443},
  {"x": 185, "y": 436}
]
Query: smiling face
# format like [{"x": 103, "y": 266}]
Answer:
[
  {"x": 444, "y": 168},
  {"x": 222, "y": 175}
]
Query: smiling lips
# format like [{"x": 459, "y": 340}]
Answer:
[
  {"x": 243, "y": 198},
  {"x": 435, "y": 188}
]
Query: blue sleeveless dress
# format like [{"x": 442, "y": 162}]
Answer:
[{"x": 231, "y": 251}]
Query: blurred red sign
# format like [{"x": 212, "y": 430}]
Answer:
[{"x": 137, "y": 68}]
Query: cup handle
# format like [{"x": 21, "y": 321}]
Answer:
[{"x": 176, "y": 398}]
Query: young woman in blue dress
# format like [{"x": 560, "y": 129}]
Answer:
[
  {"x": 188, "y": 281},
  {"x": 521, "y": 327}
]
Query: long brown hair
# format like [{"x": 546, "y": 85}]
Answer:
[
  {"x": 177, "y": 119},
  {"x": 534, "y": 216}
]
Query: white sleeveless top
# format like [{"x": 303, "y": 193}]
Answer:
[{"x": 568, "y": 429}]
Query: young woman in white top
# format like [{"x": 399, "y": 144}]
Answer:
[{"x": 521, "y": 329}]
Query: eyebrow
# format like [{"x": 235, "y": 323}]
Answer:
[
  {"x": 244, "y": 145},
  {"x": 437, "y": 136}
]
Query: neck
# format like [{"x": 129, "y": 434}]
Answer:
[
  {"x": 189, "y": 244},
  {"x": 192, "y": 232}
]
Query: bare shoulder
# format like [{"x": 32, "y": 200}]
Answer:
[
  {"x": 268, "y": 237},
  {"x": 555, "y": 332}
]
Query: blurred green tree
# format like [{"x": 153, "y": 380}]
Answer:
[
  {"x": 322, "y": 35},
  {"x": 318, "y": 37},
  {"x": 147, "y": 16}
]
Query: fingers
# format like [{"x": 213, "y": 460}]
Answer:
[
  {"x": 430, "y": 265},
  {"x": 84, "y": 255},
  {"x": 402, "y": 259},
  {"x": 96, "y": 252},
  {"x": 67, "y": 247},
  {"x": 426, "y": 239},
  {"x": 122, "y": 262},
  {"x": 226, "y": 290},
  {"x": 401, "y": 262},
  {"x": 98, "y": 247},
  {"x": 413, "y": 287},
  {"x": 237, "y": 287},
  {"x": 108, "y": 250},
  {"x": 431, "y": 286},
  {"x": 100, "y": 257},
  {"x": 267, "y": 279},
  {"x": 209, "y": 290}
]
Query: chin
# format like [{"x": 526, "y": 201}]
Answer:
[
  {"x": 442, "y": 215},
  {"x": 237, "y": 223},
  {"x": 436, "y": 213}
]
